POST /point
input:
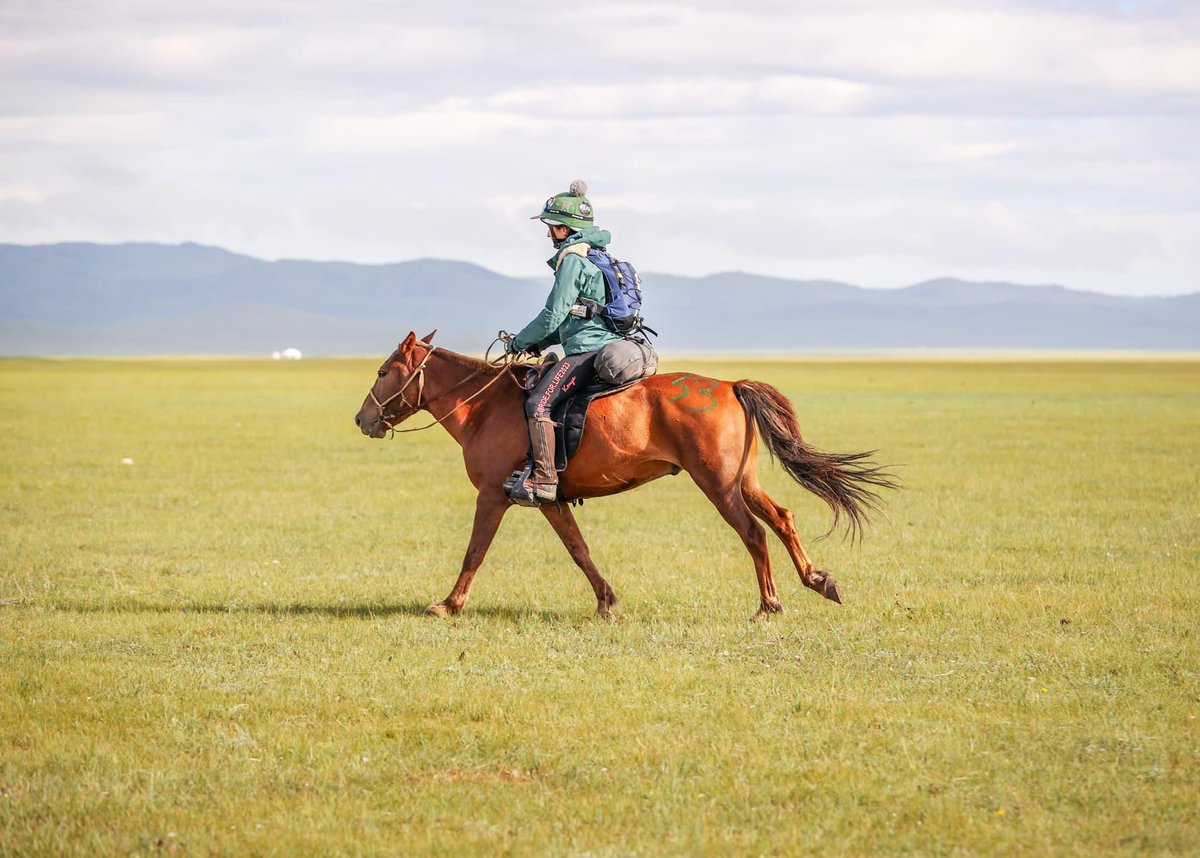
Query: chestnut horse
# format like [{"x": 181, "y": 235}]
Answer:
[{"x": 662, "y": 425}]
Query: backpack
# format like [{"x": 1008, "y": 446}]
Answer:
[{"x": 622, "y": 294}]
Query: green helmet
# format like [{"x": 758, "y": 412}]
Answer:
[{"x": 571, "y": 208}]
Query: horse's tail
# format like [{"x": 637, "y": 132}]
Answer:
[{"x": 845, "y": 481}]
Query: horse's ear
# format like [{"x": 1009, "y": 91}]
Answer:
[
  {"x": 407, "y": 342},
  {"x": 428, "y": 338}
]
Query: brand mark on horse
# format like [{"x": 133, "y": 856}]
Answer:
[{"x": 706, "y": 392}]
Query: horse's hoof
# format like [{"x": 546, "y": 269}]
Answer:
[
  {"x": 439, "y": 609},
  {"x": 768, "y": 609}
]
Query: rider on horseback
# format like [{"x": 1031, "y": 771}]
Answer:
[{"x": 568, "y": 217}]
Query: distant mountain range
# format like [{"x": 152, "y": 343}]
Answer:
[{"x": 132, "y": 299}]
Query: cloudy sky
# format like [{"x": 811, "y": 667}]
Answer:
[{"x": 870, "y": 141}]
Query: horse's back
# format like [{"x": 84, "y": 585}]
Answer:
[{"x": 674, "y": 395}]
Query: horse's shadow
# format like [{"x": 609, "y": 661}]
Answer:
[{"x": 363, "y": 611}]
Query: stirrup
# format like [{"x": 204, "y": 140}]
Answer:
[{"x": 520, "y": 489}]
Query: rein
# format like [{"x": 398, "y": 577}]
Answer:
[{"x": 419, "y": 375}]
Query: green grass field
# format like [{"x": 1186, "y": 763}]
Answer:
[{"x": 219, "y": 649}]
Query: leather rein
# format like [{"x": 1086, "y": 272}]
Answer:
[{"x": 418, "y": 375}]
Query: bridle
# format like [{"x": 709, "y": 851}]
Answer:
[{"x": 418, "y": 373}]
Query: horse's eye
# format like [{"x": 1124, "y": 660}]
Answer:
[{"x": 382, "y": 373}]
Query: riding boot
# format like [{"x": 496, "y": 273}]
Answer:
[{"x": 543, "y": 481}]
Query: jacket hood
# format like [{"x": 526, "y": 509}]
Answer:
[{"x": 594, "y": 236}]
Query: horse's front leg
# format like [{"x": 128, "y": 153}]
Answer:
[
  {"x": 563, "y": 522},
  {"x": 490, "y": 507}
]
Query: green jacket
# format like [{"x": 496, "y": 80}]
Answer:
[{"x": 574, "y": 277}]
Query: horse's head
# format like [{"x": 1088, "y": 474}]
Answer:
[{"x": 396, "y": 394}]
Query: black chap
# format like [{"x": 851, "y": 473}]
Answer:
[{"x": 565, "y": 378}]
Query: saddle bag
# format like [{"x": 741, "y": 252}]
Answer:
[{"x": 625, "y": 361}]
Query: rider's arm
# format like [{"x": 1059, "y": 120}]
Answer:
[{"x": 543, "y": 330}]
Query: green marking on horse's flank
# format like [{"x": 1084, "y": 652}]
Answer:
[{"x": 706, "y": 392}]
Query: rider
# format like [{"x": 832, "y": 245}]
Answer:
[{"x": 568, "y": 217}]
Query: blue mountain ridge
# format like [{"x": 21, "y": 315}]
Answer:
[{"x": 77, "y": 298}]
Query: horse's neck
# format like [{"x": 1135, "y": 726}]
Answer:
[{"x": 459, "y": 401}]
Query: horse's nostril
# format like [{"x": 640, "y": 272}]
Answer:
[{"x": 357, "y": 421}]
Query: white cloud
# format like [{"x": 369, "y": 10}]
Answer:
[
  {"x": 928, "y": 43},
  {"x": 79, "y": 128},
  {"x": 861, "y": 140},
  {"x": 388, "y": 46},
  {"x": 448, "y": 126},
  {"x": 700, "y": 95}
]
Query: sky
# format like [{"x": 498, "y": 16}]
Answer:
[{"x": 869, "y": 141}]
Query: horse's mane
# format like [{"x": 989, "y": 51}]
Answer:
[{"x": 469, "y": 362}]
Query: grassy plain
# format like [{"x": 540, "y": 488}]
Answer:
[{"x": 220, "y": 648}]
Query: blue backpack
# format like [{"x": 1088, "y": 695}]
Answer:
[{"x": 622, "y": 310}]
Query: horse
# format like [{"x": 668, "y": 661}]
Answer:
[{"x": 660, "y": 426}]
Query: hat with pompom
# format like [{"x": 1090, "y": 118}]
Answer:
[{"x": 571, "y": 208}]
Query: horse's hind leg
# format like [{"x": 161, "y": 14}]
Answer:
[
  {"x": 779, "y": 519},
  {"x": 728, "y": 501},
  {"x": 563, "y": 522}
]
